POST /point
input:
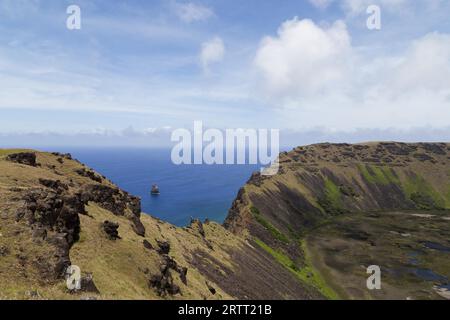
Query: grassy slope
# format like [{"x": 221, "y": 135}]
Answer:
[{"x": 117, "y": 266}]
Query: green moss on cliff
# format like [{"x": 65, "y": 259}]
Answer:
[
  {"x": 423, "y": 201},
  {"x": 277, "y": 234},
  {"x": 423, "y": 194},
  {"x": 332, "y": 191},
  {"x": 416, "y": 188},
  {"x": 378, "y": 175},
  {"x": 331, "y": 201},
  {"x": 306, "y": 274}
]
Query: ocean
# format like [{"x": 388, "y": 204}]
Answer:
[{"x": 198, "y": 191}]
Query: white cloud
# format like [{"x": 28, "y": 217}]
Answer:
[
  {"x": 315, "y": 77},
  {"x": 304, "y": 58},
  {"x": 212, "y": 51},
  {"x": 425, "y": 66},
  {"x": 191, "y": 12}
]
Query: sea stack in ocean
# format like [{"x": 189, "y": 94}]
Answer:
[{"x": 155, "y": 190}]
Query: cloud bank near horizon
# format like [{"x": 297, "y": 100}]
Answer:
[{"x": 160, "y": 137}]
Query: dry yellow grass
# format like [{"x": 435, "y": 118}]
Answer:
[{"x": 120, "y": 268}]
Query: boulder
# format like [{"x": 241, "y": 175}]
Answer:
[
  {"x": 164, "y": 247},
  {"x": 183, "y": 274},
  {"x": 49, "y": 210},
  {"x": 118, "y": 202},
  {"x": 211, "y": 288},
  {"x": 54, "y": 184},
  {"x": 111, "y": 229},
  {"x": 147, "y": 245},
  {"x": 163, "y": 284},
  {"x": 26, "y": 158},
  {"x": 170, "y": 264},
  {"x": 67, "y": 156},
  {"x": 138, "y": 226},
  {"x": 89, "y": 174},
  {"x": 88, "y": 285}
]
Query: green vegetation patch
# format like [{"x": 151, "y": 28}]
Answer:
[
  {"x": 277, "y": 234},
  {"x": 381, "y": 175},
  {"x": 305, "y": 274},
  {"x": 423, "y": 201},
  {"x": 332, "y": 191},
  {"x": 423, "y": 194},
  {"x": 255, "y": 210},
  {"x": 331, "y": 201}
]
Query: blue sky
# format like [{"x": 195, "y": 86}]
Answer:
[{"x": 160, "y": 64}]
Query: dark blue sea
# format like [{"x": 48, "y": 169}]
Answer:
[{"x": 198, "y": 191}]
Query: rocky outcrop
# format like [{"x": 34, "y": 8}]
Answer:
[
  {"x": 51, "y": 209},
  {"x": 66, "y": 156},
  {"x": 170, "y": 264},
  {"x": 111, "y": 229},
  {"x": 238, "y": 217},
  {"x": 164, "y": 247},
  {"x": 163, "y": 282},
  {"x": 197, "y": 225},
  {"x": 26, "y": 158},
  {"x": 88, "y": 284},
  {"x": 118, "y": 202},
  {"x": 54, "y": 211},
  {"x": 210, "y": 288},
  {"x": 89, "y": 174},
  {"x": 147, "y": 244},
  {"x": 53, "y": 217},
  {"x": 54, "y": 184}
]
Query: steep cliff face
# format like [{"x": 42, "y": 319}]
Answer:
[
  {"x": 56, "y": 212},
  {"x": 326, "y": 184},
  {"x": 321, "y": 181}
]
